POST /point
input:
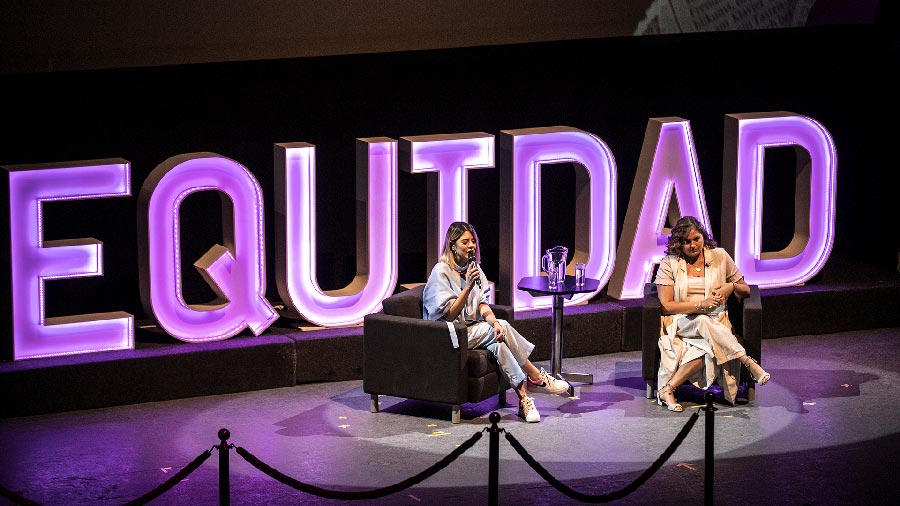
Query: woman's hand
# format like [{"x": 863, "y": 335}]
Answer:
[
  {"x": 472, "y": 274},
  {"x": 708, "y": 304},
  {"x": 722, "y": 292},
  {"x": 499, "y": 333}
]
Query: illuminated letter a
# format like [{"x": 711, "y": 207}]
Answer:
[{"x": 667, "y": 166}]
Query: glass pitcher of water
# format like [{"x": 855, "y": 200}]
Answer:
[{"x": 554, "y": 264}]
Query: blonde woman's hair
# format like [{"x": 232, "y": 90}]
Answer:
[{"x": 454, "y": 232}]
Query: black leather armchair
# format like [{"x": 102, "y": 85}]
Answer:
[
  {"x": 406, "y": 356},
  {"x": 745, "y": 316}
]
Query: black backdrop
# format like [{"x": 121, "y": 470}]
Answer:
[{"x": 609, "y": 87}]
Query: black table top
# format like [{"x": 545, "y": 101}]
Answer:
[{"x": 538, "y": 285}]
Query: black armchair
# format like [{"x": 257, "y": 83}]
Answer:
[
  {"x": 406, "y": 356},
  {"x": 745, "y": 316}
]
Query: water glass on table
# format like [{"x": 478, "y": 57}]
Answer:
[{"x": 579, "y": 274}]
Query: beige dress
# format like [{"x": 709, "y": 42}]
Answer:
[{"x": 685, "y": 337}]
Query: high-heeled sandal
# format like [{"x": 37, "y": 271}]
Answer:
[
  {"x": 763, "y": 378},
  {"x": 676, "y": 407}
]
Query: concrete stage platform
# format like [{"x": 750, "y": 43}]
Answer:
[
  {"x": 843, "y": 297},
  {"x": 824, "y": 431}
]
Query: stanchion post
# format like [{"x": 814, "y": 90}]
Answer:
[
  {"x": 224, "y": 482},
  {"x": 710, "y": 451},
  {"x": 494, "y": 460}
]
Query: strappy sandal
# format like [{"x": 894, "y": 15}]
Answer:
[
  {"x": 676, "y": 407},
  {"x": 763, "y": 378}
]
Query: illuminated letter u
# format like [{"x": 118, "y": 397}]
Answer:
[{"x": 376, "y": 237}]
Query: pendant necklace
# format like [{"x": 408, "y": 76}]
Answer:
[{"x": 698, "y": 268}]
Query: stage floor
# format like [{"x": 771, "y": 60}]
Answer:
[{"x": 825, "y": 430}]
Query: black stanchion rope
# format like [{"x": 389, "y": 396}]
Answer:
[
  {"x": 390, "y": 489},
  {"x": 171, "y": 482},
  {"x": 16, "y": 498},
  {"x": 144, "y": 499},
  {"x": 362, "y": 494},
  {"x": 612, "y": 496}
]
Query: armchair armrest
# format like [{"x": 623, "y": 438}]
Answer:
[
  {"x": 504, "y": 312},
  {"x": 413, "y": 358},
  {"x": 751, "y": 324},
  {"x": 650, "y": 329}
]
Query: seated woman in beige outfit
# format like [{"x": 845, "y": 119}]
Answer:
[{"x": 697, "y": 345}]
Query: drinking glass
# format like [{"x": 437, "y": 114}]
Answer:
[{"x": 579, "y": 274}]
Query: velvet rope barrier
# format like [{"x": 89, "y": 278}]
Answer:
[
  {"x": 362, "y": 494},
  {"x": 16, "y": 498},
  {"x": 612, "y": 496},
  {"x": 171, "y": 482},
  {"x": 144, "y": 499}
]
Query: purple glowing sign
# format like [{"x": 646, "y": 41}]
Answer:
[
  {"x": 376, "y": 238},
  {"x": 450, "y": 157},
  {"x": 667, "y": 167},
  {"x": 235, "y": 271},
  {"x": 746, "y": 138},
  {"x": 34, "y": 261},
  {"x": 525, "y": 151}
]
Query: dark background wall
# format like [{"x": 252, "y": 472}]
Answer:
[{"x": 608, "y": 86}]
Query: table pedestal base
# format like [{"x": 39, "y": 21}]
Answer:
[
  {"x": 536, "y": 286},
  {"x": 577, "y": 377},
  {"x": 556, "y": 350}
]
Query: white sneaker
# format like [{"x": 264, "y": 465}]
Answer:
[
  {"x": 527, "y": 411},
  {"x": 549, "y": 385}
]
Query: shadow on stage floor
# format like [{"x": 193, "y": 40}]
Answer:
[{"x": 825, "y": 430}]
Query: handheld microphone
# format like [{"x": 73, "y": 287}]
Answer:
[{"x": 472, "y": 261}]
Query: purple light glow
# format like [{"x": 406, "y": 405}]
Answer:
[
  {"x": 376, "y": 238},
  {"x": 746, "y": 138},
  {"x": 451, "y": 157},
  {"x": 33, "y": 260},
  {"x": 526, "y": 150},
  {"x": 667, "y": 166},
  {"x": 236, "y": 271}
]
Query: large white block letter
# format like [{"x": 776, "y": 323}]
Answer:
[
  {"x": 450, "y": 156},
  {"x": 235, "y": 271},
  {"x": 523, "y": 152},
  {"x": 746, "y": 138},
  {"x": 376, "y": 233},
  {"x": 33, "y": 261},
  {"x": 667, "y": 167}
]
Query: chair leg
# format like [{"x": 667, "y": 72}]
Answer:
[
  {"x": 751, "y": 391},
  {"x": 454, "y": 416},
  {"x": 651, "y": 389},
  {"x": 501, "y": 398},
  {"x": 373, "y": 406}
]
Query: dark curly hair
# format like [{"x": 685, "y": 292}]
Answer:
[{"x": 678, "y": 236}]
